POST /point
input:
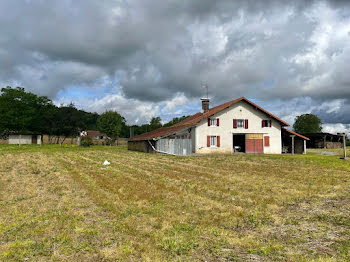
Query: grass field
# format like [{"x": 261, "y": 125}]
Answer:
[{"x": 62, "y": 204}]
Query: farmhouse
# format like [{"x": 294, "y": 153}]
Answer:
[
  {"x": 235, "y": 126},
  {"x": 95, "y": 135}
]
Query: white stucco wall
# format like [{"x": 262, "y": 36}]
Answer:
[
  {"x": 225, "y": 130},
  {"x": 24, "y": 140}
]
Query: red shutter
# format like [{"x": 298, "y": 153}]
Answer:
[
  {"x": 246, "y": 124},
  {"x": 217, "y": 121},
  {"x": 266, "y": 140},
  {"x": 208, "y": 121},
  {"x": 218, "y": 141},
  {"x": 208, "y": 141},
  {"x": 234, "y": 123},
  {"x": 270, "y": 123},
  {"x": 262, "y": 123}
]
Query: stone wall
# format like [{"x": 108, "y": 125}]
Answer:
[{"x": 334, "y": 145}]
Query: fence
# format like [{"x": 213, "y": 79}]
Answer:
[{"x": 175, "y": 146}]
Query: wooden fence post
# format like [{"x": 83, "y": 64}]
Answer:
[
  {"x": 292, "y": 136},
  {"x": 344, "y": 145}
]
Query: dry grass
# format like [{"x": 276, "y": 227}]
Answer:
[
  {"x": 61, "y": 204},
  {"x": 338, "y": 151}
]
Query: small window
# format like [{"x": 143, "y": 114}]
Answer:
[
  {"x": 213, "y": 121},
  {"x": 213, "y": 140},
  {"x": 266, "y": 123},
  {"x": 240, "y": 123}
]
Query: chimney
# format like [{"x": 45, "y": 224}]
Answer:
[{"x": 205, "y": 105}]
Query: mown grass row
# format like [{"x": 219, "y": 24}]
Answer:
[{"x": 61, "y": 203}]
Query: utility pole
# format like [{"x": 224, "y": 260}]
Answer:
[{"x": 131, "y": 132}]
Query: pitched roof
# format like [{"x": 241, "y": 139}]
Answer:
[
  {"x": 160, "y": 132},
  {"x": 294, "y": 133},
  {"x": 196, "y": 118},
  {"x": 94, "y": 133}
]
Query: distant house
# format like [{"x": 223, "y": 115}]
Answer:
[
  {"x": 94, "y": 134},
  {"x": 25, "y": 139},
  {"x": 235, "y": 126}
]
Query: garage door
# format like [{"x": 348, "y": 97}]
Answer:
[{"x": 254, "y": 144}]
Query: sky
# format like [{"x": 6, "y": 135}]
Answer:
[{"x": 147, "y": 58}]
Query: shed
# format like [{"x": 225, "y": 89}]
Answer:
[
  {"x": 324, "y": 140},
  {"x": 24, "y": 139},
  {"x": 292, "y": 140}
]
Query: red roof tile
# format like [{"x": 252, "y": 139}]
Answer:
[
  {"x": 196, "y": 118},
  {"x": 294, "y": 133},
  {"x": 94, "y": 133},
  {"x": 160, "y": 132}
]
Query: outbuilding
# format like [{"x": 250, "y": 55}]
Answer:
[
  {"x": 293, "y": 142},
  {"x": 324, "y": 140},
  {"x": 24, "y": 139}
]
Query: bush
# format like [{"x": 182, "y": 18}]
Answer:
[
  {"x": 86, "y": 141},
  {"x": 348, "y": 142},
  {"x": 108, "y": 142}
]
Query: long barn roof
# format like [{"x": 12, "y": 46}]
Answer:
[{"x": 196, "y": 118}]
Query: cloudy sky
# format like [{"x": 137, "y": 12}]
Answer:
[{"x": 148, "y": 58}]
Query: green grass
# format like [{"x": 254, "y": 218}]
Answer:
[{"x": 59, "y": 203}]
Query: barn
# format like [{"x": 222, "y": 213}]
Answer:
[
  {"x": 238, "y": 126},
  {"x": 324, "y": 140}
]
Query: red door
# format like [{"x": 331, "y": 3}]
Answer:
[{"x": 254, "y": 144}]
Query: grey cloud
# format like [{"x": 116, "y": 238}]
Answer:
[
  {"x": 155, "y": 49},
  {"x": 334, "y": 114}
]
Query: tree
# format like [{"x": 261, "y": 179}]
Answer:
[
  {"x": 68, "y": 122},
  {"x": 175, "y": 121},
  {"x": 110, "y": 123},
  {"x": 155, "y": 123},
  {"x": 307, "y": 123},
  {"x": 22, "y": 111}
]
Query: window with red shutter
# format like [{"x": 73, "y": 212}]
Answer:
[
  {"x": 234, "y": 123},
  {"x": 208, "y": 121},
  {"x": 208, "y": 141},
  {"x": 246, "y": 124},
  {"x": 266, "y": 141},
  {"x": 217, "y": 122},
  {"x": 218, "y": 141},
  {"x": 266, "y": 123}
]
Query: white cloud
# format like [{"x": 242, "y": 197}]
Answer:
[{"x": 337, "y": 128}]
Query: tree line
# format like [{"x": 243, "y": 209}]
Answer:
[{"x": 23, "y": 112}]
